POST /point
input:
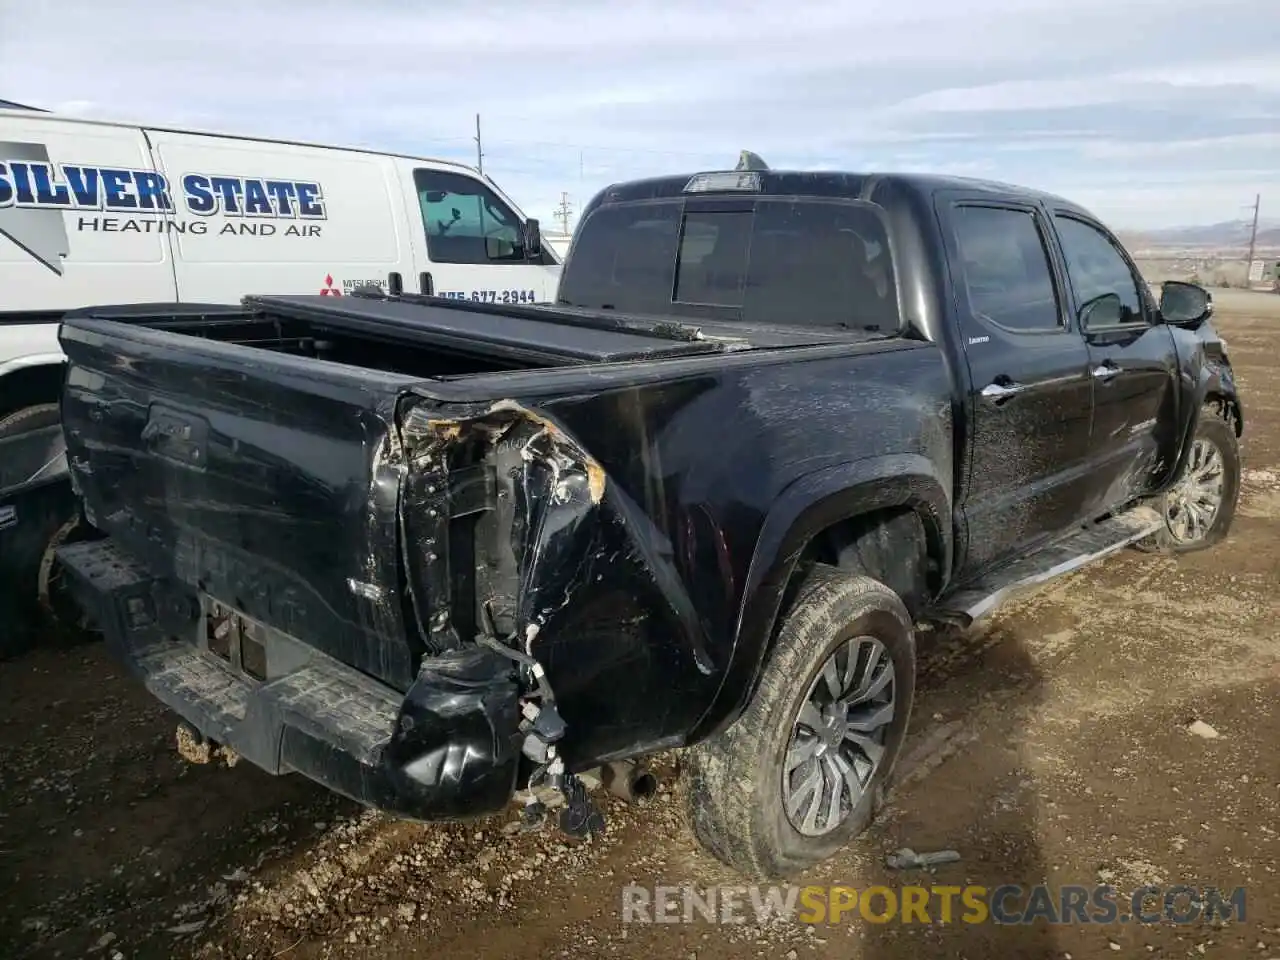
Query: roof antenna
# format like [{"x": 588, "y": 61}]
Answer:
[{"x": 750, "y": 161}]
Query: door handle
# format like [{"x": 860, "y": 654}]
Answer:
[
  {"x": 999, "y": 392},
  {"x": 1106, "y": 371}
]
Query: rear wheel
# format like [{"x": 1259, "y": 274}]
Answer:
[
  {"x": 803, "y": 770},
  {"x": 1199, "y": 510}
]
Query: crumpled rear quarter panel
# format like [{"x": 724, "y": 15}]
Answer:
[{"x": 634, "y": 590}]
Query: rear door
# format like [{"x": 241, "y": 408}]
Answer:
[
  {"x": 256, "y": 217},
  {"x": 1132, "y": 360},
  {"x": 1032, "y": 401},
  {"x": 82, "y": 217},
  {"x": 468, "y": 239}
]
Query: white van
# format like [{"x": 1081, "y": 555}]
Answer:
[{"x": 95, "y": 212}]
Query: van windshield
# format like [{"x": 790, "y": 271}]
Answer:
[{"x": 779, "y": 261}]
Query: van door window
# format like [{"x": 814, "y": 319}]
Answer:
[{"x": 465, "y": 222}]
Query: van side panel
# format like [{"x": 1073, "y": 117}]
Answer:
[
  {"x": 82, "y": 218},
  {"x": 261, "y": 218}
]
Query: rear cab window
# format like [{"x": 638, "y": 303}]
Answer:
[{"x": 788, "y": 261}]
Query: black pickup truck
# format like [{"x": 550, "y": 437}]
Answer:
[{"x": 435, "y": 554}]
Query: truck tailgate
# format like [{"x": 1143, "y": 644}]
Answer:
[{"x": 264, "y": 482}]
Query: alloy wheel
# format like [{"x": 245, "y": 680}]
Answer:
[
  {"x": 1193, "y": 504},
  {"x": 838, "y": 737}
]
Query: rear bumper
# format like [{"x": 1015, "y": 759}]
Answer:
[{"x": 448, "y": 749}]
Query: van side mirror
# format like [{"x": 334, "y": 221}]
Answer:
[
  {"x": 1185, "y": 304},
  {"x": 532, "y": 238}
]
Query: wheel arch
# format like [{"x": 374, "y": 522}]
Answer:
[
  {"x": 31, "y": 380},
  {"x": 1215, "y": 390},
  {"x": 818, "y": 513}
]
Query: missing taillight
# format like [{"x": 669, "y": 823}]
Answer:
[{"x": 219, "y": 630}]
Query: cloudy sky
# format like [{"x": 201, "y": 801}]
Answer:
[{"x": 1152, "y": 112}]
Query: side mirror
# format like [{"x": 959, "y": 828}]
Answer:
[
  {"x": 1185, "y": 304},
  {"x": 532, "y": 238},
  {"x": 1106, "y": 310}
]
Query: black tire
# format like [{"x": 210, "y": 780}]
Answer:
[
  {"x": 36, "y": 417},
  {"x": 1219, "y": 433},
  {"x": 734, "y": 785},
  {"x": 49, "y": 517}
]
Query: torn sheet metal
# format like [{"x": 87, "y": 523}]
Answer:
[{"x": 531, "y": 540}]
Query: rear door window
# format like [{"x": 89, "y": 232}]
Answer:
[{"x": 1006, "y": 268}]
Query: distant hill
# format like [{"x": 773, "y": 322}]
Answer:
[{"x": 1231, "y": 233}]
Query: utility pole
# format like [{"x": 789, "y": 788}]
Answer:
[
  {"x": 1253, "y": 240},
  {"x": 563, "y": 212},
  {"x": 479, "y": 150}
]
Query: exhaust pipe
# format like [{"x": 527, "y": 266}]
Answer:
[{"x": 628, "y": 781}]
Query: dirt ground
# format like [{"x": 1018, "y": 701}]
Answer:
[{"x": 1049, "y": 745}]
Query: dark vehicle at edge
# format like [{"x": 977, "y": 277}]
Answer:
[{"x": 432, "y": 554}]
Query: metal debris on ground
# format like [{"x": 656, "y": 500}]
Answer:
[
  {"x": 182, "y": 929},
  {"x": 908, "y": 859},
  {"x": 1202, "y": 729}
]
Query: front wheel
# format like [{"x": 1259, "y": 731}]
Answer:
[
  {"x": 1198, "y": 511},
  {"x": 803, "y": 770}
]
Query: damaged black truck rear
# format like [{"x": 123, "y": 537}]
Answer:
[{"x": 441, "y": 556}]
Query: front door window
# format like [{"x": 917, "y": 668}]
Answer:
[{"x": 465, "y": 221}]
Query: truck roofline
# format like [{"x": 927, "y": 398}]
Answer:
[{"x": 848, "y": 184}]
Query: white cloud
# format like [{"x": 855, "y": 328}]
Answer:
[
  {"x": 1227, "y": 148},
  {"x": 1041, "y": 95},
  {"x": 1098, "y": 95}
]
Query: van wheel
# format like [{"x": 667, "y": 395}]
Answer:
[
  {"x": 30, "y": 577},
  {"x": 35, "y": 417},
  {"x": 804, "y": 769},
  {"x": 1199, "y": 510}
]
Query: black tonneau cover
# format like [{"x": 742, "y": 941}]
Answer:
[{"x": 544, "y": 335}]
